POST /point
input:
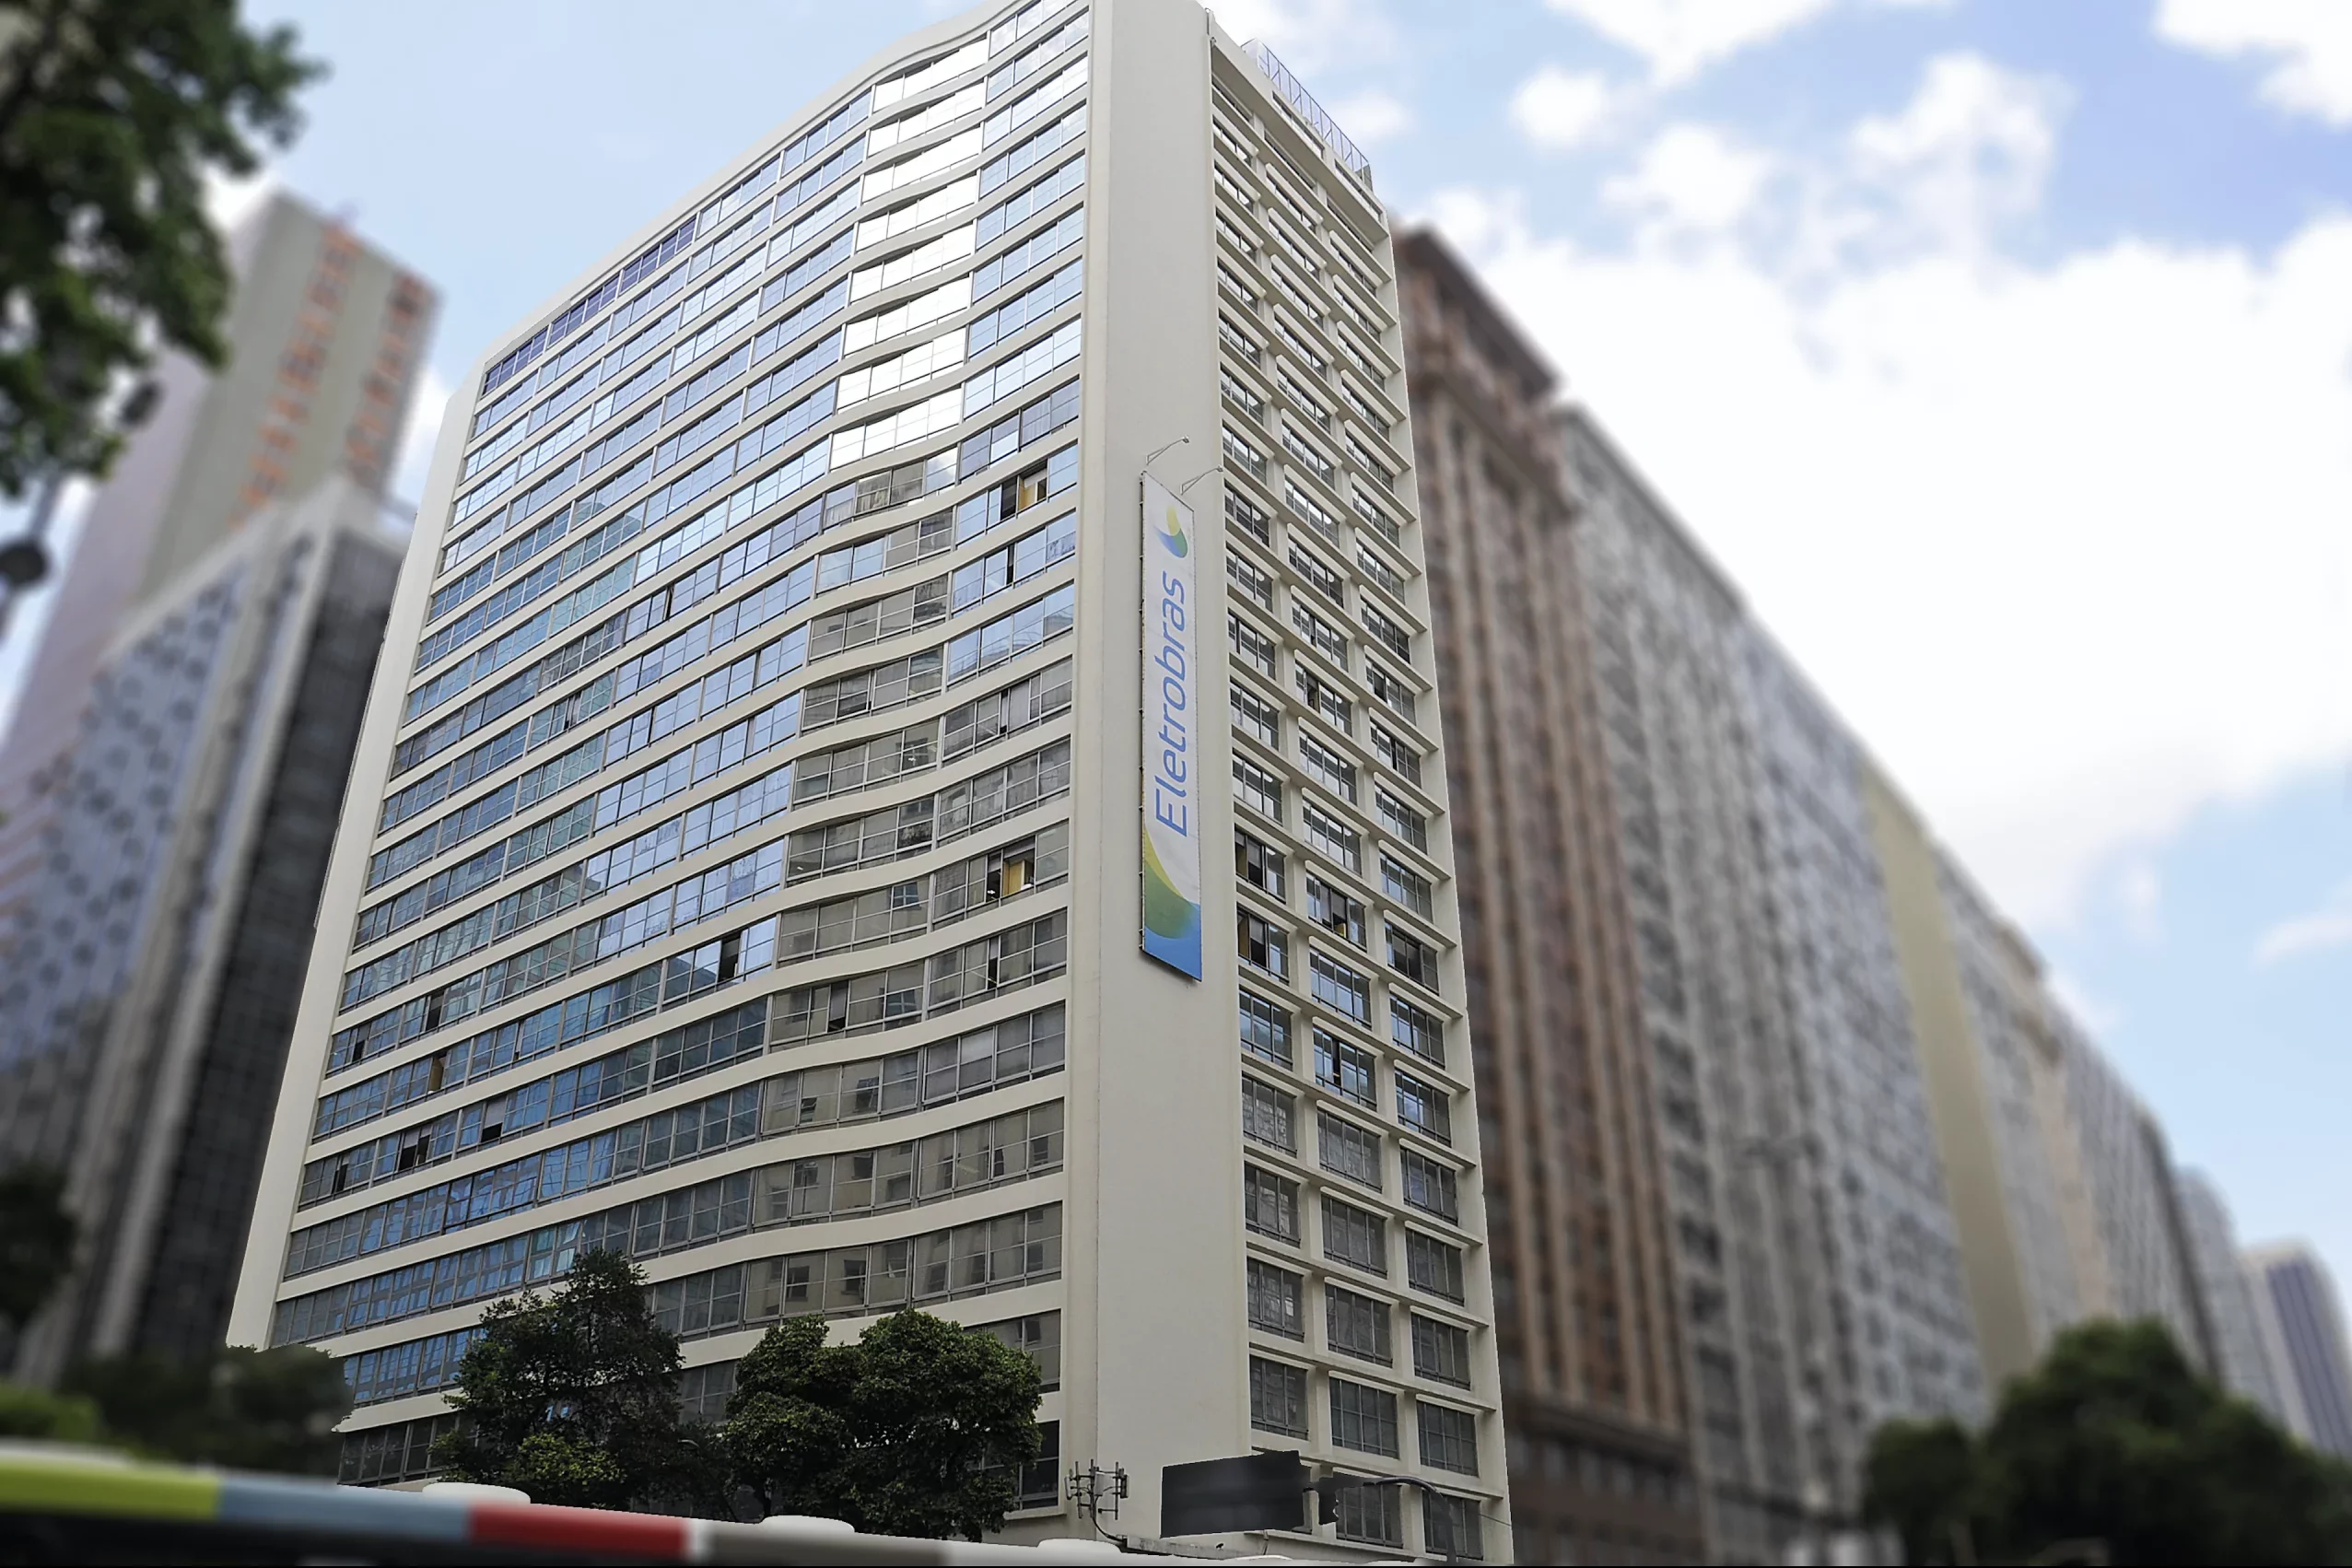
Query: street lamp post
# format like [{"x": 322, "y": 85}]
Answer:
[{"x": 24, "y": 560}]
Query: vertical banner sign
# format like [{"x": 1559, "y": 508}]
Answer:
[{"x": 1172, "y": 779}]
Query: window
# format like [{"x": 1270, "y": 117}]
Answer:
[
  {"x": 1396, "y": 754},
  {"x": 1364, "y": 1417},
  {"x": 1431, "y": 1187},
  {"x": 1328, "y": 769},
  {"x": 1236, "y": 392},
  {"x": 1255, "y": 716},
  {"x": 1327, "y": 701},
  {"x": 1319, "y": 576},
  {"x": 1348, "y": 1150},
  {"x": 1419, "y": 1032},
  {"x": 1407, "y": 887},
  {"x": 1449, "y": 1528},
  {"x": 1242, "y": 453},
  {"x": 1251, "y": 519},
  {"x": 1390, "y": 689},
  {"x": 1355, "y": 1325},
  {"x": 1274, "y": 1296},
  {"x": 1254, "y": 582},
  {"x": 1373, "y": 1514},
  {"x": 1440, "y": 1351},
  {"x": 1321, "y": 636},
  {"x": 1251, "y": 646},
  {"x": 1388, "y": 633},
  {"x": 1276, "y": 1397},
  {"x": 1339, "y": 988},
  {"x": 1357, "y": 1237},
  {"x": 1263, "y": 944},
  {"x": 1269, "y": 1203},
  {"x": 1332, "y": 837},
  {"x": 1411, "y": 957},
  {"x": 1380, "y": 572},
  {"x": 1268, "y": 1116},
  {"x": 1265, "y": 1029},
  {"x": 1402, "y": 820},
  {"x": 1257, "y": 790},
  {"x": 1430, "y": 1265},
  {"x": 1448, "y": 1437},
  {"x": 1424, "y": 1107},
  {"x": 1332, "y": 908},
  {"x": 1259, "y": 863},
  {"x": 1345, "y": 1069}
]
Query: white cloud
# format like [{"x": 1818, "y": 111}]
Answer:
[
  {"x": 2141, "y": 892},
  {"x": 2327, "y": 926},
  {"x": 1558, "y": 110},
  {"x": 1311, "y": 35},
  {"x": 1373, "y": 117},
  {"x": 1971, "y": 150},
  {"x": 1692, "y": 179},
  {"x": 2063, "y": 542},
  {"x": 1681, "y": 38},
  {"x": 2306, "y": 46},
  {"x": 426, "y": 404}
]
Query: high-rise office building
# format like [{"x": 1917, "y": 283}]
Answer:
[
  {"x": 1818, "y": 1263},
  {"x": 2243, "y": 1364},
  {"x": 835, "y": 628},
  {"x": 151, "y": 992},
  {"x": 2302, "y": 1331},
  {"x": 1585, "y": 1315},
  {"x": 326, "y": 335},
  {"x": 1997, "y": 1091}
]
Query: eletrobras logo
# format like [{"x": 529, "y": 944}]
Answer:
[{"x": 1171, "y": 780}]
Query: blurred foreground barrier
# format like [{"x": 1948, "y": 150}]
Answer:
[{"x": 65, "y": 1504}]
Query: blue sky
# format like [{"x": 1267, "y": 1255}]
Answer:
[{"x": 2001, "y": 348}]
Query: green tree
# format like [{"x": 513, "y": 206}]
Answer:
[
  {"x": 36, "y": 1413},
  {"x": 574, "y": 1397},
  {"x": 112, "y": 112},
  {"x": 244, "y": 1409},
  {"x": 2113, "y": 1438},
  {"x": 1920, "y": 1481},
  {"x": 918, "y": 1429},
  {"x": 36, "y": 1242}
]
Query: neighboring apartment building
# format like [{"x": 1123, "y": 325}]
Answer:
[
  {"x": 1586, "y": 1318},
  {"x": 2302, "y": 1331},
  {"x": 2142, "y": 1239},
  {"x": 1818, "y": 1263},
  {"x": 789, "y": 573},
  {"x": 2241, "y": 1362},
  {"x": 326, "y": 335},
  {"x": 1996, "y": 1080},
  {"x": 150, "y": 994}
]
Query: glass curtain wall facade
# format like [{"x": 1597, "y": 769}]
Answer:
[{"x": 742, "y": 866}]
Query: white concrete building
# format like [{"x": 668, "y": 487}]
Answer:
[
  {"x": 788, "y": 571},
  {"x": 2245, "y": 1364},
  {"x": 1819, "y": 1266}
]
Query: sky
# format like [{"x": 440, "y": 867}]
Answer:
[{"x": 2000, "y": 349}]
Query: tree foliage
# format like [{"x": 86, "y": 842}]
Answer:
[
  {"x": 917, "y": 1429},
  {"x": 573, "y": 1397},
  {"x": 2114, "y": 1438},
  {"x": 38, "y": 1413},
  {"x": 244, "y": 1409},
  {"x": 36, "y": 1242},
  {"x": 112, "y": 112}
]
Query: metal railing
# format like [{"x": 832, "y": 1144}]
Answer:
[{"x": 1302, "y": 102}]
